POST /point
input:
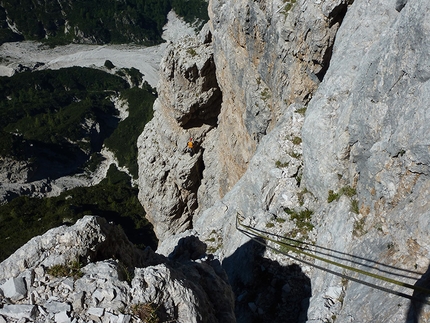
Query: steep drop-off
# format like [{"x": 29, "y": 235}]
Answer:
[{"x": 310, "y": 123}]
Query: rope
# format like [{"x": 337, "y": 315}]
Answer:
[{"x": 253, "y": 233}]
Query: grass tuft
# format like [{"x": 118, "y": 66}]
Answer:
[
  {"x": 72, "y": 269},
  {"x": 147, "y": 312},
  {"x": 302, "y": 220},
  {"x": 332, "y": 196}
]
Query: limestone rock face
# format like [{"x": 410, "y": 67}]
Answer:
[
  {"x": 90, "y": 272},
  {"x": 187, "y": 107},
  {"x": 367, "y": 127},
  {"x": 266, "y": 57},
  {"x": 324, "y": 110}
]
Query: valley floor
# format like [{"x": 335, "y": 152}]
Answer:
[{"x": 145, "y": 59}]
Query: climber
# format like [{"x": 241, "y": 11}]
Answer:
[{"x": 190, "y": 147}]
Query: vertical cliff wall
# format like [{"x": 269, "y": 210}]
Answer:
[
  {"x": 268, "y": 55},
  {"x": 226, "y": 88},
  {"x": 367, "y": 127}
]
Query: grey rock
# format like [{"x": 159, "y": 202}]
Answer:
[
  {"x": 57, "y": 307},
  {"x": 124, "y": 318},
  {"x": 90, "y": 238},
  {"x": 96, "y": 313},
  {"x": 359, "y": 131},
  {"x": 62, "y": 317},
  {"x": 188, "y": 280},
  {"x": 39, "y": 271},
  {"x": 18, "y": 311},
  {"x": 177, "y": 289},
  {"x": 12, "y": 171},
  {"x": 68, "y": 283},
  {"x": 42, "y": 311},
  {"x": 362, "y": 129},
  {"x": 281, "y": 60},
  {"x": 78, "y": 301},
  {"x": 14, "y": 288},
  {"x": 187, "y": 106},
  {"x": 333, "y": 293}
]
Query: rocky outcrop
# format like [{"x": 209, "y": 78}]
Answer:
[
  {"x": 187, "y": 106},
  {"x": 253, "y": 268},
  {"x": 268, "y": 55},
  {"x": 90, "y": 272},
  {"x": 14, "y": 171}
]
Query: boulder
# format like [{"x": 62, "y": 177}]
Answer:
[
  {"x": 14, "y": 288},
  {"x": 62, "y": 317},
  {"x": 55, "y": 307},
  {"x": 19, "y": 311}
]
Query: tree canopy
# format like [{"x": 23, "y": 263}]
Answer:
[{"x": 92, "y": 21}]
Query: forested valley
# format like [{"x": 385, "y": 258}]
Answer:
[
  {"x": 92, "y": 21},
  {"x": 58, "y": 120}
]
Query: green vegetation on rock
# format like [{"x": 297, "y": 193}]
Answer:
[
  {"x": 302, "y": 220},
  {"x": 346, "y": 190},
  {"x": 147, "y": 312},
  {"x": 72, "y": 269}
]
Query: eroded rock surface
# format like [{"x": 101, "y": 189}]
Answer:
[
  {"x": 366, "y": 127},
  {"x": 262, "y": 58},
  {"x": 187, "y": 107},
  {"x": 91, "y": 272}
]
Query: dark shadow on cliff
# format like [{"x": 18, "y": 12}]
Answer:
[
  {"x": 288, "y": 247},
  {"x": 326, "y": 253},
  {"x": 265, "y": 291},
  {"x": 420, "y": 299},
  {"x": 203, "y": 270}
]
